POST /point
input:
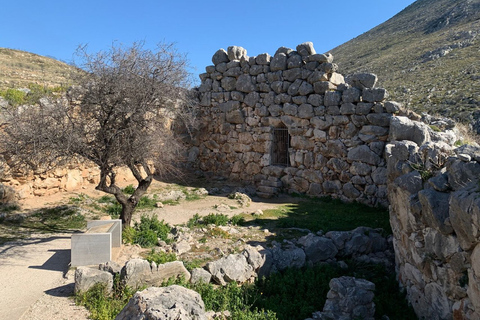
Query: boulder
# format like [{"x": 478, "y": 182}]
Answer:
[
  {"x": 86, "y": 277},
  {"x": 138, "y": 272},
  {"x": 362, "y": 80},
  {"x": 233, "y": 268},
  {"x": 349, "y": 298},
  {"x": 290, "y": 257},
  {"x": 200, "y": 275},
  {"x": 167, "y": 303},
  {"x": 220, "y": 56},
  {"x": 318, "y": 249}
]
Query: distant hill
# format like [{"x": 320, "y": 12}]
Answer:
[
  {"x": 19, "y": 69},
  {"x": 427, "y": 56}
]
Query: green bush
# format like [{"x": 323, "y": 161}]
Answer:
[
  {"x": 194, "y": 221},
  {"x": 13, "y": 96},
  {"x": 147, "y": 232},
  {"x": 160, "y": 257},
  {"x": 217, "y": 219},
  {"x": 237, "y": 220}
]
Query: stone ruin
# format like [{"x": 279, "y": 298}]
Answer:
[{"x": 291, "y": 122}]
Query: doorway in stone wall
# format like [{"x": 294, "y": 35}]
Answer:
[{"x": 281, "y": 144}]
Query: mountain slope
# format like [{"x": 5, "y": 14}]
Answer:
[
  {"x": 19, "y": 69},
  {"x": 427, "y": 56}
]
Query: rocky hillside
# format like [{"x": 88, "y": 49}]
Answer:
[
  {"x": 20, "y": 69},
  {"x": 427, "y": 57}
]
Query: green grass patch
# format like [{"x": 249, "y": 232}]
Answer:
[{"x": 325, "y": 214}]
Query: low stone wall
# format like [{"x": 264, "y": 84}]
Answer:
[
  {"x": 434, "y": 194},
  {"x": 334, "y": 130},
  {"x": 74, "y": 177}
]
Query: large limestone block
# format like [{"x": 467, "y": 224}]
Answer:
[
  {"x": 402, "y": 128},
  {"x": 167, "y": 303},
  {"x": 465, "y": 216},
  {"x": 363, "y": 154},
  {"x": 139, "y": 272},
  {"x": 233, "y": 268},
  {"x": 435, "y": 210},
  {"x": 220, "y": 56},
  {"x": 237, "y": 53},
  {"x": 362, "y": 80},
  {"x": 86, "y": 277},
  {"x": 317, "y": 248},
  {"x": 291, "y": 257}
]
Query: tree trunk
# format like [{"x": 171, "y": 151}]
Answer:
[{"x": 127, "y": 212}]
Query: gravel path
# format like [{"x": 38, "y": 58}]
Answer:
[{"x": 28, "y": 268}]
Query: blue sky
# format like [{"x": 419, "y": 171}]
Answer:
[{"x": 56, "y": 28}]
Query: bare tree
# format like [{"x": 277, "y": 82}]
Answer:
[{"x": 120, "y": 114}]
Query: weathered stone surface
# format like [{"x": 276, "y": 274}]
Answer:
[
  {"x": 291, "y": 257},
  {"x": 86, "y": 277},
  {"x": 138, "y": 272},
  {"x": 200, "y": 275},
  {"x": 166, "y": 303},
  {"x": 349, "y": 298},
  {"x": 402, "y": 128},
  {"x": 362, "y": 80},
  {"x": 306, "y": 49},
  {"x": 317, "y": 248},
  {"x": 233, "y": 268},
  {"x": 363, "y": 154},
  {"x": 236, "y": 53},
  {"x": 436, "y": 209},
  {"x": 244, "y": 84},
  {"x": 220, "y": 56}
]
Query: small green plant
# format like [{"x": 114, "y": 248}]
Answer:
[
  {"x": 160, "y": 257},
  {"x": 13, "y": 96},
  {"x": 435, "y": 128},
  {"x": 194, "y": 221},
  {"x": 147, "y": 202},
  {"x": 237, "y": 220},
  {"x": 130, "y": 189}
]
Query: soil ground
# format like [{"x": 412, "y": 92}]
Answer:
[{"x": 35, "y": 279}]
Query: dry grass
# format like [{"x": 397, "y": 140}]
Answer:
[{"x": 19, "y": 69}]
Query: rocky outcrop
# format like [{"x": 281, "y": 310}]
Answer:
[
  {"x": 291, "y": 122},
  {"x": 433, "y": 189},
  {"x": 166, "y": 303}
]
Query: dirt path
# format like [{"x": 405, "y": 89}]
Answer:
[
  {"x": 28, "y": 268},
  {"x": 35, "y": 282}
]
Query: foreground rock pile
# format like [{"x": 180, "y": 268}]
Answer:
[{"x": 362, "y": 244}]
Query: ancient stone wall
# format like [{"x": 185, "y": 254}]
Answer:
[
  {"x": 434, "y": 193},
  {"x": 291, "y": 122}
]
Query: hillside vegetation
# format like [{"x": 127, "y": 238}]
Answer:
[
  {"x": 427, "y": 57},
  {"x": 20, "y": 69}
]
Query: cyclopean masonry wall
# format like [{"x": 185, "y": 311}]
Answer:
[
  {"x": 346, "y": 141},
  {"x": 434, "y": 193},
  {"x": 335, "y": 132}
]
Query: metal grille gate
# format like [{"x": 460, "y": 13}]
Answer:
[{"x": 281, "y": 144}]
